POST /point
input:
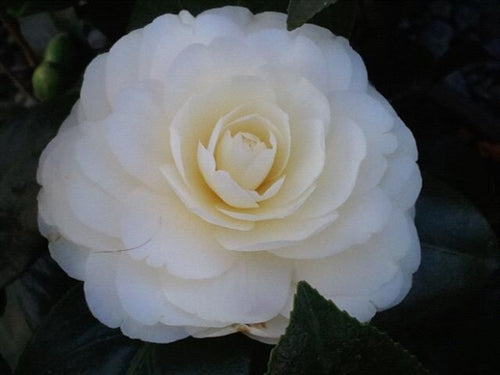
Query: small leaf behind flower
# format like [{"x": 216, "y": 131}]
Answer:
[
  {"x": 321, "y": 339},
  {"x": 301, "y": 11}
]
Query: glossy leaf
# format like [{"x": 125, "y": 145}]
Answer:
[
  {"x": 459, "y": 255},
  {"x": 321, "y": 339},
  {"x": 28, "y": 300},
  {"x": 224, "y": 355},
  {"x": 71, "y": 341},
  {"x": 301, "y": 11}
]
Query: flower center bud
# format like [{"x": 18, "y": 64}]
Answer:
[{"x": 245, "y": 157}]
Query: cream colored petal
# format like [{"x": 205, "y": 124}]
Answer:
[
  {"x": 291, "y": 51},
  {"x": 100, "y": 290},
  {"x": 200, "y": 69},
  {"x": 358, "y": 307},
  {"x": 338, "y": 63},
  {"x": 388, "y": 293},
  {"x": 196, "y": 120},
  {"x": 139, "y": 290},
  {"x": 253, "y": 290},
  {"x": 137, "y": 134},
  {"x": 70, "y": 257},
  {"x": 359, "y": 77},
  {"x": 405, "y": 198},
  {"x": 58, "y": 166},
  {"x": 269, "y": 213},
  {"x": 223, "y": 184},
  {"x": 305, "y": 164},
  {"x": 122, "y": 64},
  {"x": 354, "y": 272},
  {"x": 99, "y": 164},
  {"x": 357, "y": 221},
  {"x": 203, "y": 205},
  {"x": 345, "y": 151},
  {"x": 275, "y": 234},
  {"x": 92, "y": 206},
  {"x": 95, "y": 103},
  {"x": 209, "y": 25},
  {"x": 157, "y": 333},
  {"x": 368, "y": 113},
  {"x": 159, "y": 229},
  {"x": 239, "y": 15}
]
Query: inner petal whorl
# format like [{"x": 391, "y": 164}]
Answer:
[{"x": 245, "y": 157}]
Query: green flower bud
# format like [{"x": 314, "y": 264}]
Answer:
[{"x": 47, "y": 81}]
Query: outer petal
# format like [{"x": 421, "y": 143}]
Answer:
[
  {"x": 358, "y": 221},
  {"x": 157, "y": 333},
  {"x": 95, "y": 103},
  {"x": 345, "y": 150},
  {"x": 140, "y": 152},
  {"x": 253, "y": 290},
  {"x": 70, "y": 257},
  {"x": 100, "y": 289},
  {"x": 122, "y": 65},
  {"x": 160, "y": 230}
]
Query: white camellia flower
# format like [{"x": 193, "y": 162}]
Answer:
[{"x": 213, "y": 162}]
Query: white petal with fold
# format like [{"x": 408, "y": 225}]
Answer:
[
  {"x": 253, "y": 290},
  {"x": 160, "y": 230}
]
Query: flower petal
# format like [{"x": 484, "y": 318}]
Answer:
[
  {"x": 157, "y": 333},
  {"x": 160, "y": 230},
  {"x": 100, "y": 290},
  {"x": 122, "y": 64},
  {"x": 275, "y": 234},
  {"x": 345, "y": 150},
  {"x": 253, "y": 290},
  {"x": 70, "y": 257},
  {"x": 357, "y": 221},
  {"x": 95, "y": 103}
]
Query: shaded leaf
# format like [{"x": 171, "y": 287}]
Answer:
[
  {"x": 71, "y": 341},
  {"x": 446, "y": 219},
  {"x": 301, "y": 11},
  {"x": 23, "y": 8},
  {"x": 21, "y": 142},
  {"x": 321, "y": 339},
  {"x": 29, "y": 298},
  {"x": 222, "y": 355},
  {"x": 82, "y": 345},
  {"x": 459, "y": 255}
]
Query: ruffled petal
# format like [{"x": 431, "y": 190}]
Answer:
[
  {"x": 160, "y": 230},
  {"x": 253, "y": 290}
]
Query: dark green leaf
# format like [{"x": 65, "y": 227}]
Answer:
[
  {"x": 339, "y": 18},
  {"x": 459, "y": 255},
  {"x": 21, "y": 142},
  {"x": 223, "y": 355},
  {"x": 23, "y": 8},
  {"x": 71, "y": 341},
  {"x": 446, "y": 219},
  {"x": 321, "y": 339},
  {"x": 301, "y": 11},
  {"x": 28, "y": 299}
]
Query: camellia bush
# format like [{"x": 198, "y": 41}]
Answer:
[{"x": 284, "y": 187}]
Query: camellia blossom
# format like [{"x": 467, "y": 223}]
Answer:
[{"x": 213, "y": 162}]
